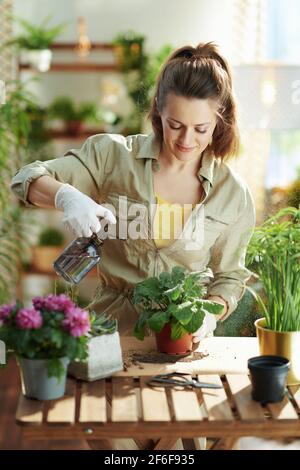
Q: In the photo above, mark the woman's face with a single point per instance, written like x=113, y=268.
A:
x=188, y=125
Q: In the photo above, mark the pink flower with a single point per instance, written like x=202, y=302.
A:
x=29, y=319
x=77, y=321
x=5, y=311
x=58, y=303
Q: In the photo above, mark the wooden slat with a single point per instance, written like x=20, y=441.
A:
x=240, y=387
x=29, y=411
x=93, y=402
x=282, y=410
x=215, y=400
x=124, y=403
x=295, y=391
x=63, y=409
x=185, y=403
x=154, y=402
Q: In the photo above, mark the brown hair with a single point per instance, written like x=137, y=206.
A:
x=200, y=72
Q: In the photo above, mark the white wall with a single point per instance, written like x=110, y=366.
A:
x=161, y=21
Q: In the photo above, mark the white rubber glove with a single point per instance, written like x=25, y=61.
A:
x=80, y=211
x=206, y=329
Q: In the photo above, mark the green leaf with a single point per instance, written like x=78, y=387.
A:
x=140, y=325
x=195, y=323
x=174, y=293
x=183, y=312
x=148, y=289
x=158, y=320
x=177, y=330
x=212, y=307
x=55, y=368
x=178, y=274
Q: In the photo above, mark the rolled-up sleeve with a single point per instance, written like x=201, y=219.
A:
x=228, y=257
x=82, y=168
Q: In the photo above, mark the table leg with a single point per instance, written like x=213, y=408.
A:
x=227, y=443
x=197, y=443
x=165, y=443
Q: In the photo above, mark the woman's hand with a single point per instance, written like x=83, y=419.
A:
x=80, y=211
x=210, y=321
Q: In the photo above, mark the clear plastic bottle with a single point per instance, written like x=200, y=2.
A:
x=79, y=257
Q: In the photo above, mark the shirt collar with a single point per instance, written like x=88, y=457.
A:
x=207, y=167
x=151, y=148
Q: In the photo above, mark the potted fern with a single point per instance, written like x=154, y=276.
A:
x=174, y=307
x=104, y=350
x=73, y=115
x=274, y=255
x=35, y=43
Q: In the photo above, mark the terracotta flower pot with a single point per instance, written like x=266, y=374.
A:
x=74, y=127
x=169, y=346
x=44, y=256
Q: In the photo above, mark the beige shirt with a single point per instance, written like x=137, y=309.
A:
x=109, y=166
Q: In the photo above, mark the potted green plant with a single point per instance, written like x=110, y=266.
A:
x=174, y=307
x=104, y=351
x=50, y=245
x=35, y=43
x=74, y=115
x=45, y=337
x=274, y=255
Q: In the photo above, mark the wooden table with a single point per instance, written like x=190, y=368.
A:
x=124, y=406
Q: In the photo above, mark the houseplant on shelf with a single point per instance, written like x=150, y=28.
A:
x=104, y=351
x=274, y=255
x=35, y=43
x=45, y=337
x=173, y=307
x=49, y=247
x=73, y=115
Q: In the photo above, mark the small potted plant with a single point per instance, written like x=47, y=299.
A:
x=174, y=307
x=49, y=247
x=74, y=115
x=35, y=43
x=274, y=255
x=45, y=338
x=104, y=351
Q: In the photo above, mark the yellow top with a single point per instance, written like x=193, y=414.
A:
x=169, y=221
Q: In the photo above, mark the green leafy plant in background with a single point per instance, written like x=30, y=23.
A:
x=14, y=223
x=140, y=72
x=74, y=114
x=174, y=297
x=36, y=37
x=51, y=237
x=293, y=192
x=274, y=255
x=40, y=143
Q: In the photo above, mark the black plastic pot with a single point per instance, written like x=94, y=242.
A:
x=268, y=375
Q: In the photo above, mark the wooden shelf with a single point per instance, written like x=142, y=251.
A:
x=64, y=46
x=75, y=67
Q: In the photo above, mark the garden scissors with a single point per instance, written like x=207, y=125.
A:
x=179, y=379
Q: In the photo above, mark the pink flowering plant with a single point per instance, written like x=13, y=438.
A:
x=54, y=327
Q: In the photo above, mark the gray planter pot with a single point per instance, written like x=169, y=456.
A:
x=104, y=358
x=35, y=380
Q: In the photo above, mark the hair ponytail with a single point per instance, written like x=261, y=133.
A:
x=200, y=72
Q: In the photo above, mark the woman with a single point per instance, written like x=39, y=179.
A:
x=193, y=116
